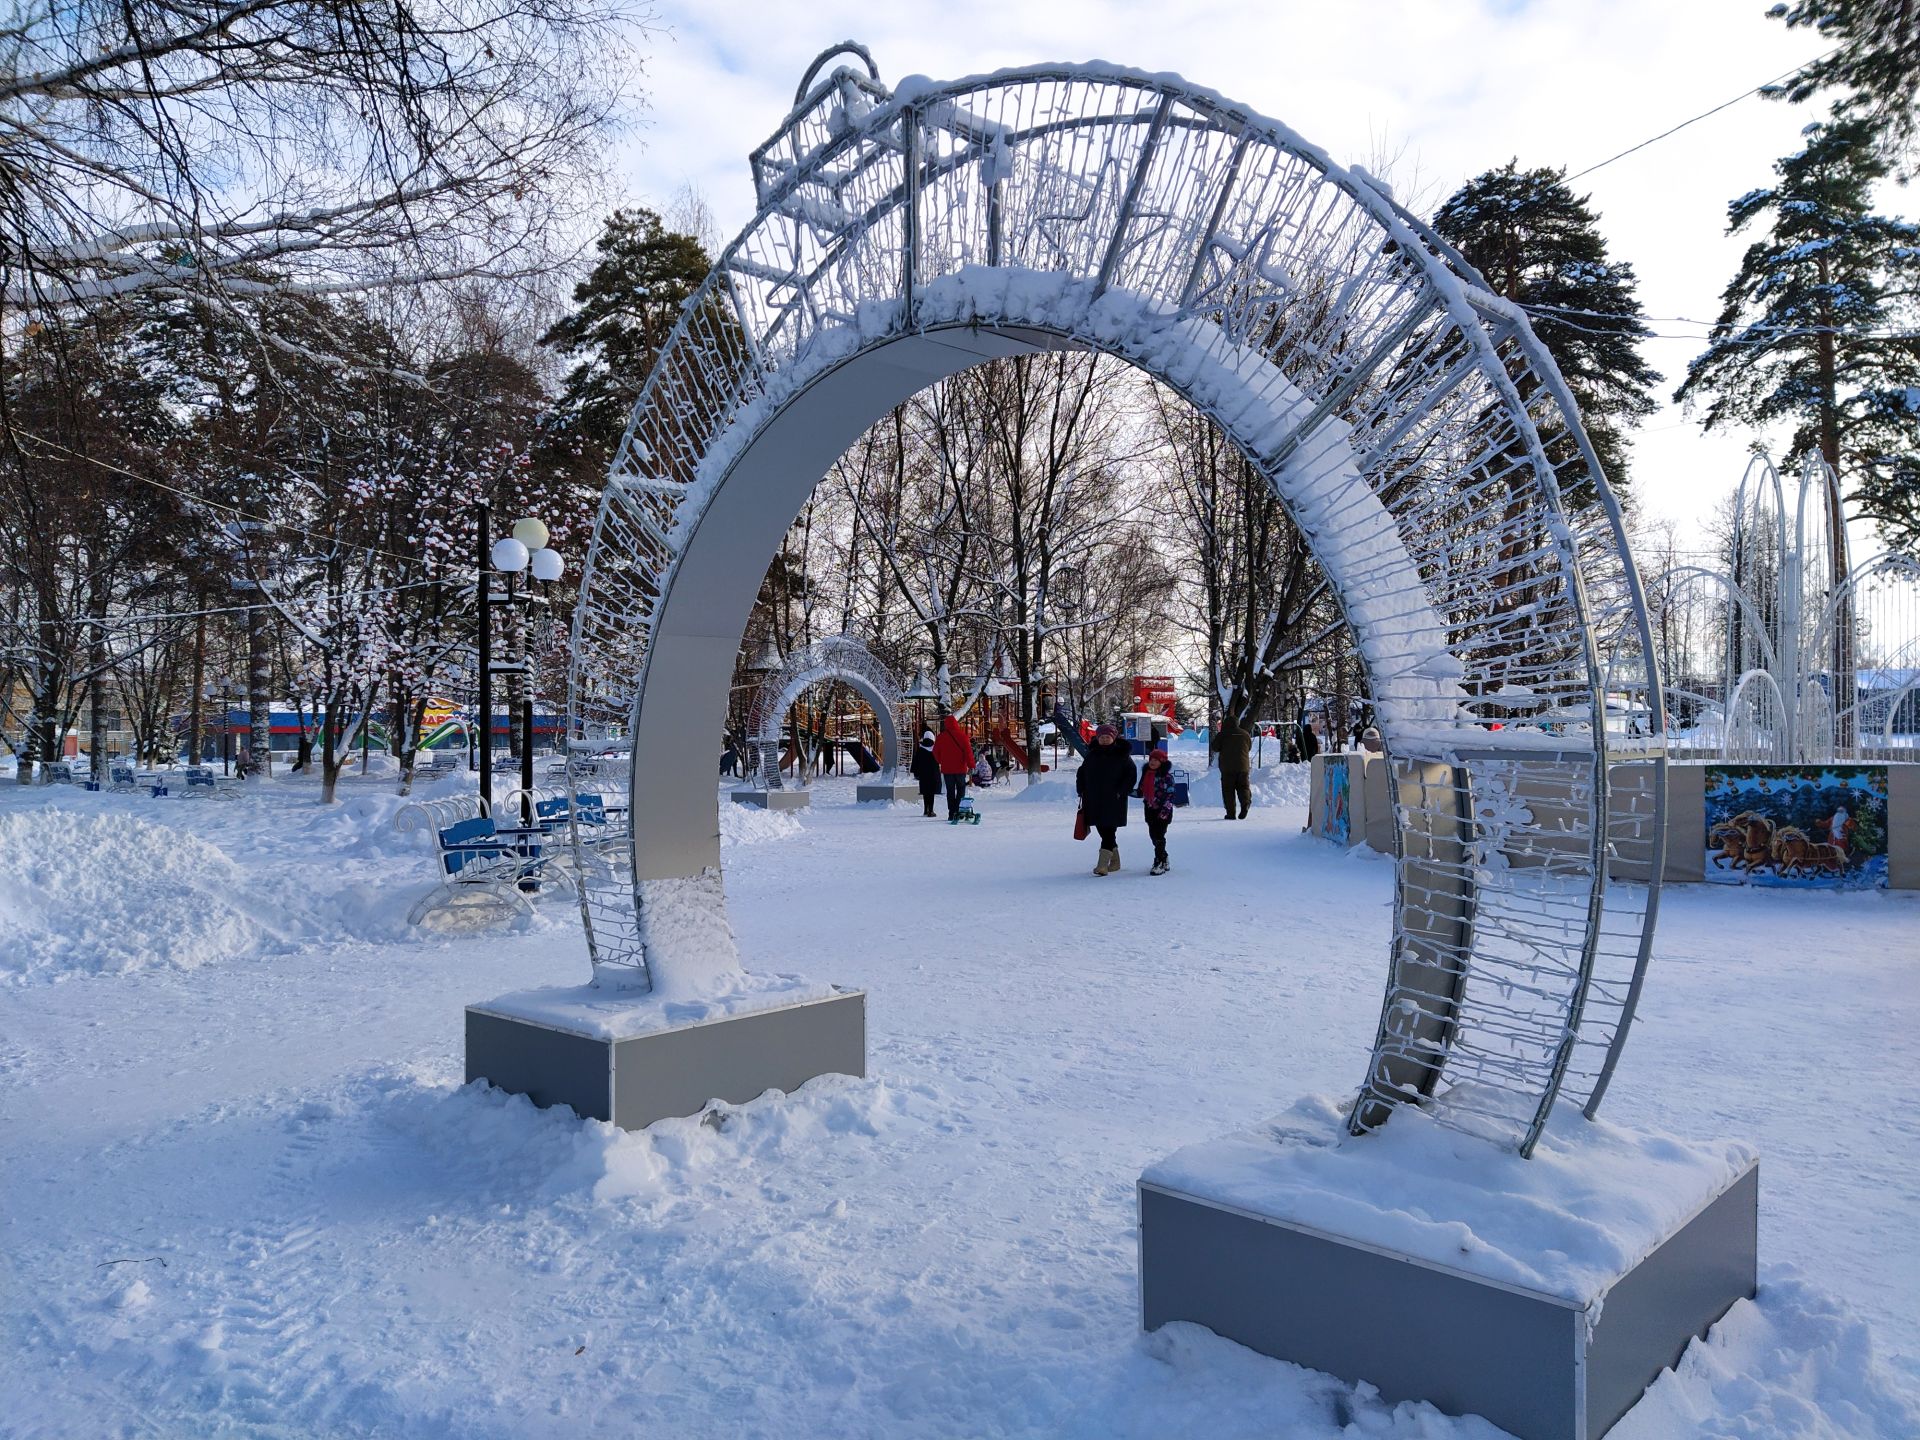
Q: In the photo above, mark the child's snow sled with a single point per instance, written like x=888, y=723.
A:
x=968, y=815
x=1180, y=779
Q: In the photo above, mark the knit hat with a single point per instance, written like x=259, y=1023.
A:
x=926, y=737
x=1108, y=731
x=1160, y=753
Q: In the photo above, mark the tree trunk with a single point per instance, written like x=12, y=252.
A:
x=97, y=682
x=329, y=745
x=1841, y=656
x=196, y=721
x=259, y=693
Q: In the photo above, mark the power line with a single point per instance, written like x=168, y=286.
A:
x=118, y=621
x=1559, y=313
x=1631, y=149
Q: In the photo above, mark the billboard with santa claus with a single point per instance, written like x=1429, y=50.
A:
x=1808, y=827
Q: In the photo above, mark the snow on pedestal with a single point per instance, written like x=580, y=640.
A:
x=1543, y=1294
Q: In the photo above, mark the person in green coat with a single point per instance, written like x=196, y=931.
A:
x=1233, y=751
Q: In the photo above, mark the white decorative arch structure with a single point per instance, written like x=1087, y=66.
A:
x=837, y=657
x=1408, y=419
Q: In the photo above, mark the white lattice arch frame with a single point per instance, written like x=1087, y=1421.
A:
x=1408, y=419
x=837, y=657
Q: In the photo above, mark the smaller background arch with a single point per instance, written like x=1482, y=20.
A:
x=837, y=658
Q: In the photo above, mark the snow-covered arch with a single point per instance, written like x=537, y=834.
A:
x=1408, y=419
x=837, y=657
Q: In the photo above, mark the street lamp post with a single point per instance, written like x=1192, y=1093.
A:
x=524, y=550
x=922, y=691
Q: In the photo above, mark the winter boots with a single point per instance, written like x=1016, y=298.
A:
x=1159, y=868
x=1108, y=863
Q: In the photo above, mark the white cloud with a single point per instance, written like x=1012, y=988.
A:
x=1462, y=86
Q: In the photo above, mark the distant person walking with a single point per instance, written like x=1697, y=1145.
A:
x=926, y=770
x=953, y=753
x=1156, y=798
x=1104, y=782
x=1308, y=742
x=1233, y=748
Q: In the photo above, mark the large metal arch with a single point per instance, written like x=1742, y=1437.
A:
x=841, y=658
x=1410, y=421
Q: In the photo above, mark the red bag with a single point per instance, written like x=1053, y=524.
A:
x=1080, y=827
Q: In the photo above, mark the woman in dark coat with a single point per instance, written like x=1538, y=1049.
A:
x=1105, y=781
x=926, y=770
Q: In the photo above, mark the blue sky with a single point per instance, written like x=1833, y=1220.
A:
x=1425, y=92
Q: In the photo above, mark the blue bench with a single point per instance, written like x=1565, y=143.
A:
x=486, y=876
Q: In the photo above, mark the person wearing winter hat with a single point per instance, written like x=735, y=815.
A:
x=1104, y=782
x=926, y=770
x=1156, y=798
x=953, y=752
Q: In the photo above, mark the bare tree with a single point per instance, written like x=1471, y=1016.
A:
x=218, y=148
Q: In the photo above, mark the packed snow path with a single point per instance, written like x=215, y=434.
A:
x=354, y=1244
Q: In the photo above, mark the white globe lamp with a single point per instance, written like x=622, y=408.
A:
x=509, y=555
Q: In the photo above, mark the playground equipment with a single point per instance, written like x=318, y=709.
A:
x=1068, y=729
x=1402, y=411
x=837, y=658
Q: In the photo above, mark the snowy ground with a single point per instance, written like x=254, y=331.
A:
x=243, y=1193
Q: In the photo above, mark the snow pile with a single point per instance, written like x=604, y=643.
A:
x=1277, y=785
x=750, y=825
x=1055, y=785
x=549, y=1156
x=1594, y=1200
x=611, y=1164
x=360, y=826
x=1791, y=1361
x=107, y=893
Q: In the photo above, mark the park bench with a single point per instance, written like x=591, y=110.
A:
x=491, y=866
x=435, y=764
x=124, y=778
x=202, y=781
x=486, y=875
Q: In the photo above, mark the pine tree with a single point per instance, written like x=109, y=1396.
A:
x=1875, y=63
x=1539, y=245
x=623, y=313
x=1816, y=329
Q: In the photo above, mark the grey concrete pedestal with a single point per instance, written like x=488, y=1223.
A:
x=635, y=1080
x=774, y=799
x=886, y=790
x=1540, y=1366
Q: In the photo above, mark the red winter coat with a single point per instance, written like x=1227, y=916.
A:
x=952, y=749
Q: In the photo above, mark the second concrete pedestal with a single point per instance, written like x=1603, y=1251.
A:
x=570, y=1048
x=886, y=790
x=1544, y=1302
x=774, y=799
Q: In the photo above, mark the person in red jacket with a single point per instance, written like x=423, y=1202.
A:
x=953, y=752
